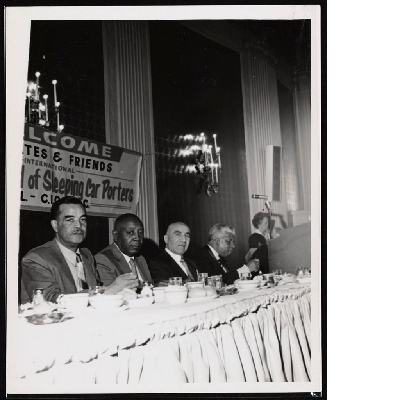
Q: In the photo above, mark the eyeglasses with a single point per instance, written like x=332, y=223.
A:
x=230, y=242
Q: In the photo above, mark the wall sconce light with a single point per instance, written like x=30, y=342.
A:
x=208, y=162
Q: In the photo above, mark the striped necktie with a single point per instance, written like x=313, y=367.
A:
x=132, y=264
x=80, y=270
x=188, y=273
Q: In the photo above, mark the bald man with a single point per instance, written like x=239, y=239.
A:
x=122, y=256
x=171, y=263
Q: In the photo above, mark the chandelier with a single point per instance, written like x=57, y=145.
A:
x=207, y=165
x=37, y=112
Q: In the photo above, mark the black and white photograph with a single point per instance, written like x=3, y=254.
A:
x=163, y=199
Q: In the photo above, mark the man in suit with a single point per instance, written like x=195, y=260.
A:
x=171, y=263
x=60, y=266
x=122, y=256
x=212, y=257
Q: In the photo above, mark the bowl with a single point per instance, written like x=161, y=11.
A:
x=192, y=285
x=141, y=302
x=174, y=288
x=249, y=284
x=159, y=294
x=106, y=302
x=75, y=301
x=176, y=296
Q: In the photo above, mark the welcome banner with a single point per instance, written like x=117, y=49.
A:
x=104, y=177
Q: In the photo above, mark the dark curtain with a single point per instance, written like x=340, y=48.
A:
x=197, y=88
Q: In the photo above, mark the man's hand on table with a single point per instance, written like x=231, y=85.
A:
x=253, y=265
x=121, y=282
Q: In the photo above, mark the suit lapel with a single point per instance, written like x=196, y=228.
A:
x=142, y=270
x=175, y=268
x=121, y=262
x=60, y=261
x=192, y=268
x=216, y=262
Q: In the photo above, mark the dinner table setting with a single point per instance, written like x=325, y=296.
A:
x=255, y=330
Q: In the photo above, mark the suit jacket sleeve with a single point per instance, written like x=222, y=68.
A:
x=206, y=264
x=37, y=273
x=106, y=269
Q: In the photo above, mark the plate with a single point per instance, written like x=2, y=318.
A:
x=195, y=299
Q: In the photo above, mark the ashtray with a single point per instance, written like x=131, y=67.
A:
x=45, y=319
x=227, y=291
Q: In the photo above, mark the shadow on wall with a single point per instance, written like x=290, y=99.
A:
x=291, y=250
x=150, y=249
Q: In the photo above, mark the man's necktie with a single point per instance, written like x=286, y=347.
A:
x=188, y=273
x=222, y=263
x=80, y=271
x=132, y=264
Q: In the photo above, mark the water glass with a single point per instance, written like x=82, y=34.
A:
x=203, y=277
x=96, y=290
x=175, y=281
x=216, y=282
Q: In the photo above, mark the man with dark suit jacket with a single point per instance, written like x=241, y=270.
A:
x=60, y=266
x=122, y=256
x=171, y=263
x=212, y=257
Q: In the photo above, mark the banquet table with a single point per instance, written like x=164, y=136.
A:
x=253, y=336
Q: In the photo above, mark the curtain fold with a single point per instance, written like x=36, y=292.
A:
x=262, y=128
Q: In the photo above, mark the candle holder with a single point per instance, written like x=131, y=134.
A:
x=36, y=112
x=207, y=164
x=208, y=179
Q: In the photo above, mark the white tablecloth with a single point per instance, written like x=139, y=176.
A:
x=252, y=336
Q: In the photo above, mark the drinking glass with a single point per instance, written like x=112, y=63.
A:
x=175, y=281
x=217, y=282
x=245, y=276
x=203, y=277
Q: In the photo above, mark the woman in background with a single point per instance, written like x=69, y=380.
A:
x=261, y=234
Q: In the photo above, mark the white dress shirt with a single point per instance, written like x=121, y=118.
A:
x=177, y=258
x=127, y=258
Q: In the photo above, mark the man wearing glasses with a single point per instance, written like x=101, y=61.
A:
x=212, y=257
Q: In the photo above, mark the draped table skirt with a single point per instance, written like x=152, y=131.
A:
x=254, y=336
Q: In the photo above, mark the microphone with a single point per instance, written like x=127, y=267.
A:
x=259, y=196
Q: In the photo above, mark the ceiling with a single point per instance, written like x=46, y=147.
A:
x=291, y=39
